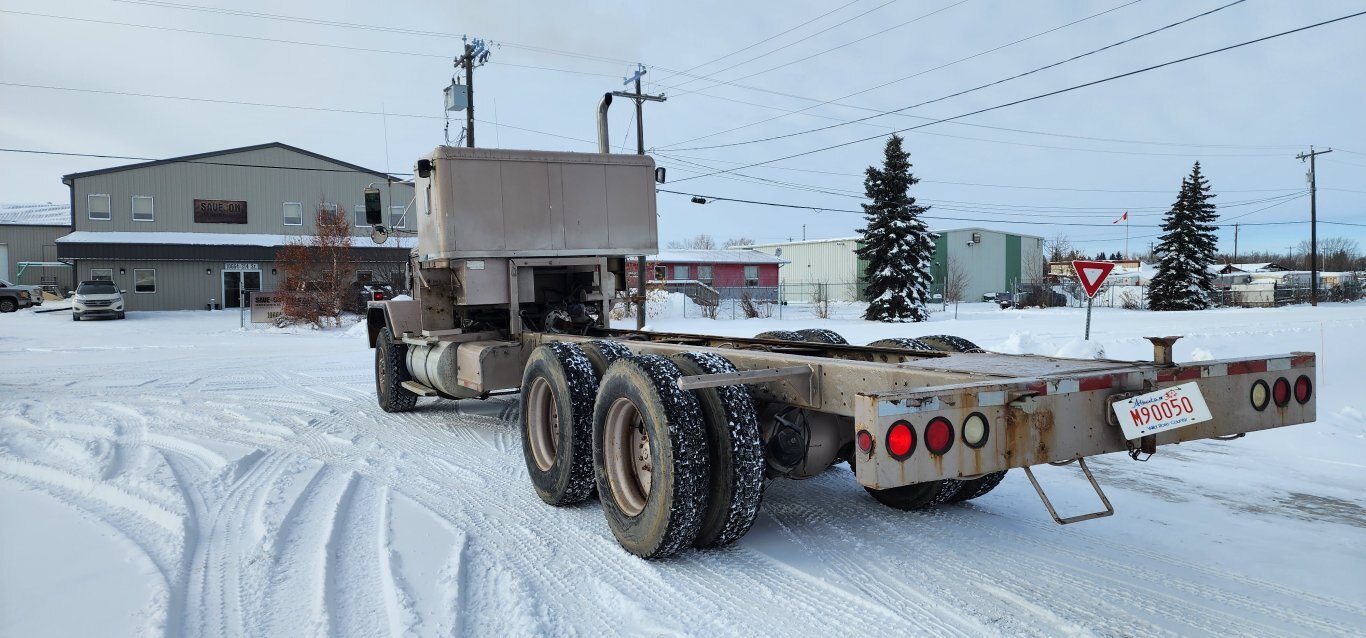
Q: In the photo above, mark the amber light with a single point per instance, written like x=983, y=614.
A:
x=1260, y=395
x=900, y=440
x=1304, y=388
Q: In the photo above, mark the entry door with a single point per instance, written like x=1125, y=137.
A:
x=236, y=286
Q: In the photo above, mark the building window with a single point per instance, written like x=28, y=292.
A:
x=680, y=272
x=360, y=215
x=751, y=276
x=704, y=274
x=661, y=273
x=142, y=208
x=294, y=214
x=396, y=216
x=102, y=274
x=365, y=276
x=144, y=280
x=98, y=207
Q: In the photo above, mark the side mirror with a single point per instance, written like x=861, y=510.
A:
x=374, y=210
x=424, y=168
x=660, y=174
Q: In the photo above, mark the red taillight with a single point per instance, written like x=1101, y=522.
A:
x=900, y=440
x=938, y=436
x=1304, y=388
x=1280, y=392
x=865, y=441
x=378, y=295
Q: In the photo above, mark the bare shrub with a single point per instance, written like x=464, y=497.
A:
x=820, y=301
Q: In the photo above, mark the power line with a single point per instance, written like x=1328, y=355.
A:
x=770, y=38
x=976, y=88
x=1052, y=93
x=835, y=48
x=913, y=75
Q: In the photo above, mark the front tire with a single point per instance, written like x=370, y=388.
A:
x=650, y=457
x=75, y=317
x=390, y=372
x=8, y=305
x=735, y=452
x=558, y=386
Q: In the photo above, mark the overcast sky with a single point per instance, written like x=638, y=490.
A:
x=1087, y=155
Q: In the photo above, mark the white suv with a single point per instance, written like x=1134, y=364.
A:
x=97, y=299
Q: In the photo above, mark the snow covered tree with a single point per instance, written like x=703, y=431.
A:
x=1186, y=249
x=897, y=244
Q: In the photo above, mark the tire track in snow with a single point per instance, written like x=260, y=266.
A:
x=295, y=598
x=360, y=596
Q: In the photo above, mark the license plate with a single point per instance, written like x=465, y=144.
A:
x=1165, y=409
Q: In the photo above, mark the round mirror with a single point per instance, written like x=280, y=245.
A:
x=379, y=235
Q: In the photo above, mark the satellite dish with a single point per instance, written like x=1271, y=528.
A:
x=778, y=253
x=379, y=235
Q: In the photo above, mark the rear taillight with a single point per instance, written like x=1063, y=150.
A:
x=900, y=440
x=378, y=295
x=865, y=441
x=1280, y=392
x=1304, y=388
x=938, y=436
x=975, y=431
x=1260, y=395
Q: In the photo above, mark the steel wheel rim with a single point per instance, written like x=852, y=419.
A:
x=543, y=423
x=626, y=456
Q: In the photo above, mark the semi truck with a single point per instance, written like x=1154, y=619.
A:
x=521, y=256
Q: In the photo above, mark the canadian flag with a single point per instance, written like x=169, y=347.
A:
x=1124, y=217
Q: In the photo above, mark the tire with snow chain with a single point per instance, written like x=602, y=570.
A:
x=650, y=456
x=558, y=386
x=917, y=496
x=780, y=335
x=391, y=370
x=821, y=335
x=974, y=488
x=735, y=452
x=901, y=342
x=602, y=353
x=949, y=343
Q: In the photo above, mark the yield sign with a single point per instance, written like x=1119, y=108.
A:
x=1092, y=274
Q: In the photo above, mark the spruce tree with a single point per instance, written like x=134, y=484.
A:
x=1186, y=250
x=897, y=244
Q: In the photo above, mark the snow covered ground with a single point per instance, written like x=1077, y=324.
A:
x=173, y=474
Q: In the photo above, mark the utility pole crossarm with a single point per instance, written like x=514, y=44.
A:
x=640, y=98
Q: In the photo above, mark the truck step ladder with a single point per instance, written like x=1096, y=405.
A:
x=1109, y=509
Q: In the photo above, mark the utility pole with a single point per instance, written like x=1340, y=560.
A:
x=1313, y=226
x=1235, y=243
x=639, y=98
x=476, y=54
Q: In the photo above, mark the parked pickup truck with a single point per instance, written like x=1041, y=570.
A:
x=15, y=296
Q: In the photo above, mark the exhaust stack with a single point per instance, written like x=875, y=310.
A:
x=603, y=144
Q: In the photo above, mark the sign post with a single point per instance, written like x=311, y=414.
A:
x=1091, y=274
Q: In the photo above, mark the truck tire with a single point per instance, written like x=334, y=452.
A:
x=974, y=488
x=602, y=353
x=901, y=342
x=735, y=452
x=821, y=335
x=949, y=343
x=650, y=456
x=8, y=305
x=558, y=386
x=390, y=372
x=917, y=496
x=780, y=335
x=75, y=317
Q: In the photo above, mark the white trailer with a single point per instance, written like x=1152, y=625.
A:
x=520, y=256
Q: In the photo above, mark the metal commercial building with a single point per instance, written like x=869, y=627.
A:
x=990, y=261
x=28, y=233
x=187, y=232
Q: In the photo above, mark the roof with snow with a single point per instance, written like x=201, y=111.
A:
x=701, y=256
x=35, y=214
x=215, y=239
x=1262, y=267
